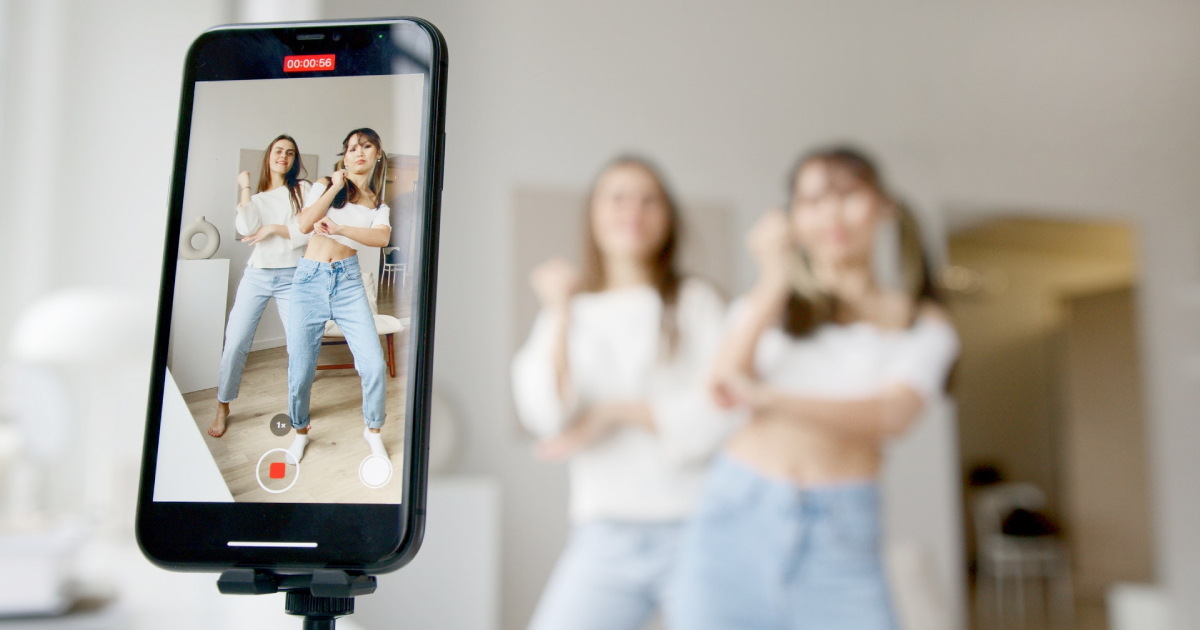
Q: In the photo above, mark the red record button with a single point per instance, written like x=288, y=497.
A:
x=308, y=63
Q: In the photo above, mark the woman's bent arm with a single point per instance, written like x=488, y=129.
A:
x=378, y=236
x=763, y=306
x=309, y=216
x=887, y=414
x=543, y=406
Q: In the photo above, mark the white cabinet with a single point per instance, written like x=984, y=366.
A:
x=454, y=582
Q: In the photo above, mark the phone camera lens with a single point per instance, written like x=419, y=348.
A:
x=337, y=37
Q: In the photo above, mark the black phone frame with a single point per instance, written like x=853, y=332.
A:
x=360, y=538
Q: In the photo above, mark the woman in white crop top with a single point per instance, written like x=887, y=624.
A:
x=268, y=219
x=831, y=363
x=345, y=213
x=613, y=379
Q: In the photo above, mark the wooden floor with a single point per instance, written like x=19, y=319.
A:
x=329, y=470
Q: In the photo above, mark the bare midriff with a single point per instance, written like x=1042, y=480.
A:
x=321, y=248
x=784, y=447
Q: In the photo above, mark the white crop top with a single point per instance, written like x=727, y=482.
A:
x=842, y=361
x=267, y=208
x=351, y=215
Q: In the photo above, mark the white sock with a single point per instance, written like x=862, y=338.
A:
x=375, y=440
x=297, y=447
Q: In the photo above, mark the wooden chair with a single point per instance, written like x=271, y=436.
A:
x=386, y=325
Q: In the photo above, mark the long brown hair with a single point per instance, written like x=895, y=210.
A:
x=665, y=276
x=378, y=179
x=808, y=305
x=291, y=179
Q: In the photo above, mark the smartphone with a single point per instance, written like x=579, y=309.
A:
x=311, y=321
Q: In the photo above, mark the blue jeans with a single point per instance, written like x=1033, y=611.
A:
x=256, y=287
x=333, y=291
x=612, y=576
x=766, y=554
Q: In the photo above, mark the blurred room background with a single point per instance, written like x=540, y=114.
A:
x=1052, y=151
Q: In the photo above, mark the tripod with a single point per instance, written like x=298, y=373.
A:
x=320, y=597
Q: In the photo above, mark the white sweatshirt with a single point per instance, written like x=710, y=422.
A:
x=613, y=348
x=267, y=208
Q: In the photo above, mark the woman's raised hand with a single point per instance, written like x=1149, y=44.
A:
x=243, y=179
x=770, y=242
x=337, y=179
x=554, y=282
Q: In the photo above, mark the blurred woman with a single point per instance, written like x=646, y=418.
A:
x=613, y=379
x=269, y=219
x=832, y=362
x=346, y=213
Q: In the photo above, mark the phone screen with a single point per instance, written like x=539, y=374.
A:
x=296, y=319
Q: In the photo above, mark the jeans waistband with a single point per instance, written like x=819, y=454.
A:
x=271, y=270
x=345, y=264
x=730, y=472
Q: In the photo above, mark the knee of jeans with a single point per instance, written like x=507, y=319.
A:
x=237, y=330
x=370, y=366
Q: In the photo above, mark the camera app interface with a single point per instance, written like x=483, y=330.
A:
x=291, y=310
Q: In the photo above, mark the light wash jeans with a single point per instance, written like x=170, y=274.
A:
x=764, y=554
x=612, y=576
x=256, y=287
x=321, y=292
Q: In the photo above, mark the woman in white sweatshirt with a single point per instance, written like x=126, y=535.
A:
x=613, y=379
x=268, y=219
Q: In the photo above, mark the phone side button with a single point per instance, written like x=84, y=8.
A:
x=442, y=166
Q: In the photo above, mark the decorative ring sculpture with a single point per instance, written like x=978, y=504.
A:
x=212, y=240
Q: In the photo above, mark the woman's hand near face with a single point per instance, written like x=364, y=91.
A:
x=338, y=179
x=243, y=179
x=770, y=242
x=554, y=282
x=326, y=227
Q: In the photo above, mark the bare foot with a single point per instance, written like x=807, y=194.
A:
x=218, y=426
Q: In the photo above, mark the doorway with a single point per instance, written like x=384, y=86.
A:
x=1050, y=403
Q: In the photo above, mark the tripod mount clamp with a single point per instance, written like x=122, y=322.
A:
x=320, y=597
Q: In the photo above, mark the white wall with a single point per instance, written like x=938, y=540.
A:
x=1074, y=108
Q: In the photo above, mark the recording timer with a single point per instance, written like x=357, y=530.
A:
x=308, y=63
